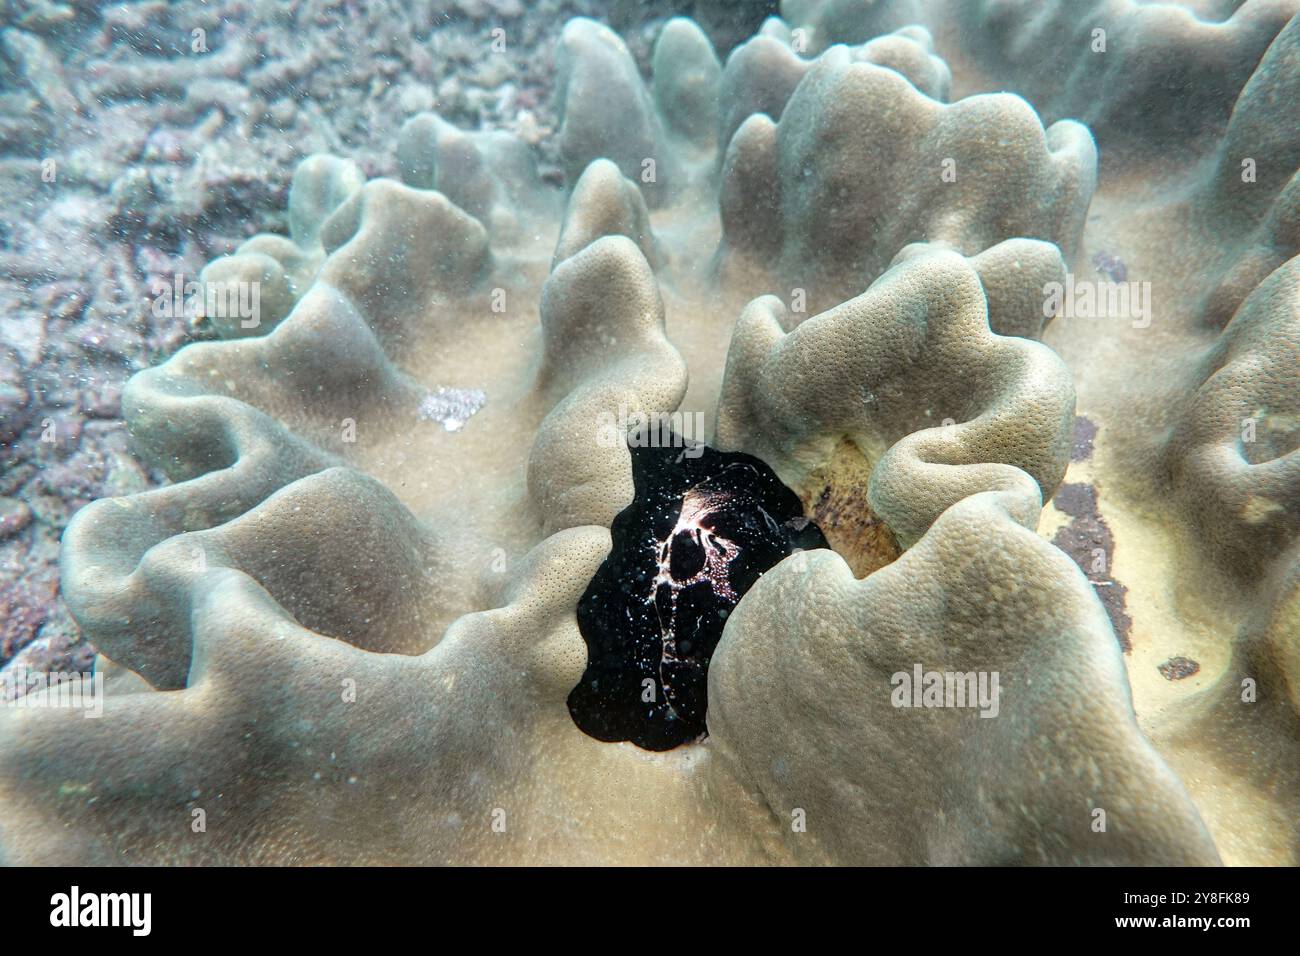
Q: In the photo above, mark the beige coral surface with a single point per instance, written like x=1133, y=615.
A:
x=346, y=632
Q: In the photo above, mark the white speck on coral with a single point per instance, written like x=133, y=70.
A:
x=452, y=407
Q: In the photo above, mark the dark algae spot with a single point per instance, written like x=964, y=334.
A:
x=703, y=526
x=1081, y=443
x=1087, y=539
x=1179, y=668
x=1111, y=266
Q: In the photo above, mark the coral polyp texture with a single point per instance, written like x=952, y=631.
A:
x=695, y=500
